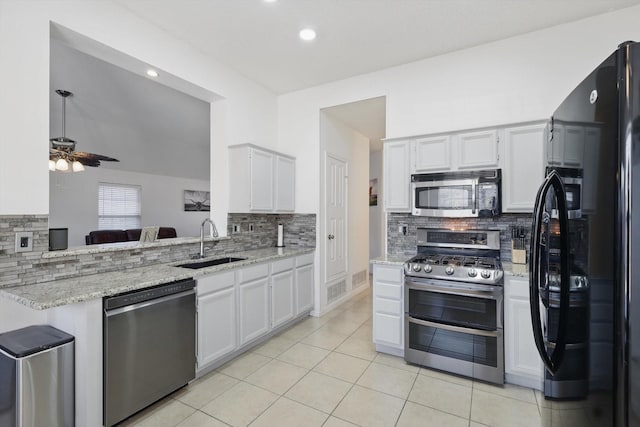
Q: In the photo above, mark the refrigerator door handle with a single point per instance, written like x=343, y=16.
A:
x=551, y=362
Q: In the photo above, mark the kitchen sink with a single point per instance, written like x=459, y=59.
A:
x=209, y=263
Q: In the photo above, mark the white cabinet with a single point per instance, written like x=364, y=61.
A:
x=432, y=154
x=285, y=184
x=304, y=283
x=388, y=308
x=216, y=317
x=478, y=150
x=253, y=299
x=263, y=180
x=523, y=166
x=566, y=148
x=397, y=176
x=522, y=362
x=282, y=292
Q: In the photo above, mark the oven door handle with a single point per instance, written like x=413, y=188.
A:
x=491, y=292
x=453, y=328
x=551, y=362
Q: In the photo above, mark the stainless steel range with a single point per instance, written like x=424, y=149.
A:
x=454, y=303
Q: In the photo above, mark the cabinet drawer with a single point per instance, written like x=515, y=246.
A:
x=304, y=260
x=281, y=265
x=252, y=273
x=517, y=287
x=387, y=274
x=381, y=305
x=215, y=282
x=386, y=290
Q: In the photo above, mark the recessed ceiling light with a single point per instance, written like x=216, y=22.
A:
x=269, y=1
x=152, y=73
x=307, y=34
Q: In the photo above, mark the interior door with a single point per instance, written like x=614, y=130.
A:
x=335, y=218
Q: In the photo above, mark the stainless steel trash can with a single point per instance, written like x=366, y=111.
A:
x=37, y=378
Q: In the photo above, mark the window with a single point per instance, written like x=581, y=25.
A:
x=118, y=207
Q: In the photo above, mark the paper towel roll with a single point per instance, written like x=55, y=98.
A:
x=280, y=236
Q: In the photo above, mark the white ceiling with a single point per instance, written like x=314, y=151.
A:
x=260, y=41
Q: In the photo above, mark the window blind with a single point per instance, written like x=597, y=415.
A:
x=119, y=207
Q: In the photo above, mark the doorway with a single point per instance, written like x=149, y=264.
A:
x=351, y=133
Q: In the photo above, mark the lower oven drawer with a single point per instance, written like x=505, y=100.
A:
x=479, y=347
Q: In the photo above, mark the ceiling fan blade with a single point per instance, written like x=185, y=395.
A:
x=81, y=155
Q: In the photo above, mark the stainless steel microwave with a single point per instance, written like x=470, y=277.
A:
x=457, y=194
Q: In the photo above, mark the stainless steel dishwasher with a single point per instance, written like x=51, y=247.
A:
x=149, y=346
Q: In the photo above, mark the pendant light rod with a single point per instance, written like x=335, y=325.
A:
x=64, y=94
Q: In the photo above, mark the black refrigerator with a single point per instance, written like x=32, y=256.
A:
x=585, y=247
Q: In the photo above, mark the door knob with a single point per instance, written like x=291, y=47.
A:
x=331, y=237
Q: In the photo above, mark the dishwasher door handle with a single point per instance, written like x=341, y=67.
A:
x=127, y=308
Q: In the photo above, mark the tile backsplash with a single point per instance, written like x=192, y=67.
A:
x=405, y=244
x=31, y=267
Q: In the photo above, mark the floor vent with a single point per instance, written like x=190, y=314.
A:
x=336, y=290
x=358, y=278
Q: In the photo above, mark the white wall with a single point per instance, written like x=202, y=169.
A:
x=513, y=80
x=345, y=143
x=376, y=214
x=74, y=201
x=248, y=114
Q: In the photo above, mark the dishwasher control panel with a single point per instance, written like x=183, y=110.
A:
x=142, y=295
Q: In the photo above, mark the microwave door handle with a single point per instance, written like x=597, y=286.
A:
x=474, y=186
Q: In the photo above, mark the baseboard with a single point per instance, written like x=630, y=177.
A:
x=524, y=381
x=381, y=348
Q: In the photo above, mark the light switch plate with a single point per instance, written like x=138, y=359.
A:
x=24, y=241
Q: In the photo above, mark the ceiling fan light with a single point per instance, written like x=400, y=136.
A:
x=62, y=165
x=52, y=165
x=77, y=166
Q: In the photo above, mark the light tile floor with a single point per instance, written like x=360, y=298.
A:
x=325, y=372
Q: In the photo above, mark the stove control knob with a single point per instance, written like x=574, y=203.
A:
x=449, y=270
x=416, y=267
x=473, y=272
x=485, y=274
x=427, y=268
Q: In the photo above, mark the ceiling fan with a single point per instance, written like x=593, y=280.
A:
x=62, y=152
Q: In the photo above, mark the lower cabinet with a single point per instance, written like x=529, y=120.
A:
x=522, y=363
x=388, y=308
x=304, y=283
x=216, y=317
x=282, y=292
x=253, y=298
x=237, y=307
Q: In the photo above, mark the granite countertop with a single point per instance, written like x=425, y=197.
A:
x=42, y=296
x=391, y=259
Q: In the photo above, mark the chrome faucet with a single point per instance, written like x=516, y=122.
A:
x=213, y=233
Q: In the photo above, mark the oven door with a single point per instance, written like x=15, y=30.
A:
x=455, y=198
x=455, y=327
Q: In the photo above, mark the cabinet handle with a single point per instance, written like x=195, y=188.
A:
x=331, y=237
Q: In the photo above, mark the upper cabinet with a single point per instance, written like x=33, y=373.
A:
x=262, y=180
x=397, y=176
x=518, y=150
x=478, y=150
x=432, y=154
x=523, y=166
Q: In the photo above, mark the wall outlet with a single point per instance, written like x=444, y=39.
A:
x=235, y=228
x=251, y=228
x=24, y=241
x=402, y=228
